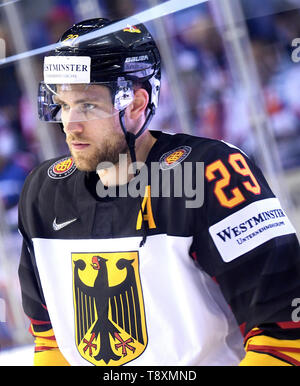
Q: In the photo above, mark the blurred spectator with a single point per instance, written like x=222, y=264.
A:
x=58, y=21
x=14, y=168
x=219, y=107
x=116, y=9
x=9, y=99
x=202, y=67
x=287, y=24
x=45, y=31
x=6, y=336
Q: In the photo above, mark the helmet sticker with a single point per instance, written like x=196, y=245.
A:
x=124, y=94
x=137, y=59
x=67, y=69
x=132, y=29
x=155, y=86
x=71, y=38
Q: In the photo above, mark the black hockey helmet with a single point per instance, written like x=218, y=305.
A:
x=120, y=60
x=130, y=52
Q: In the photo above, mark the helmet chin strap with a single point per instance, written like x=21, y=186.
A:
x=130, y=139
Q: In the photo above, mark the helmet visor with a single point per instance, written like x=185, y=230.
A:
x=83, y=102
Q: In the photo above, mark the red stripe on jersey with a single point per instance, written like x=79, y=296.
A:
x=253, y=333
x=242, y=328
x=288, y=325
x=52, y=337
x=273, y=351
x=273, y=348
x=39, y=322
x=43, y=348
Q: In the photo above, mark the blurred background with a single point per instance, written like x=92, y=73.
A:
x=230, y=72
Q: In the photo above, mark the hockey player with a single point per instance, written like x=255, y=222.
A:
x=110, y=276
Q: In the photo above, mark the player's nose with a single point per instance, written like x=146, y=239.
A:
x=73, y=127
x=73, y=123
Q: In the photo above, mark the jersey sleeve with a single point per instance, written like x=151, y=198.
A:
x=33, y=302
x=247, y=244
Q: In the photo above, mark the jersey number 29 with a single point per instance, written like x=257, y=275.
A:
x=239, y=164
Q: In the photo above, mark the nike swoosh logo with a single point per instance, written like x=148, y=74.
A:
x=57, y=227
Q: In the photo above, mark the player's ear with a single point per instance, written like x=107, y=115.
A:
x=139, y=104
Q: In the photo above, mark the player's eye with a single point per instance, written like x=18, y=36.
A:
x=87, y=107
x=64, y=106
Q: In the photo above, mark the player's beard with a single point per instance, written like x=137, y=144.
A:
x=94, y=155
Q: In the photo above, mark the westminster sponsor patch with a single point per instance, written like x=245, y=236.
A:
x=109, y=308
x=67, y=69
x=250, y=227
x=62, y=168
x=173, y=157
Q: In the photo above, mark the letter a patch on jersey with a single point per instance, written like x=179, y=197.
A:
x=110, y=325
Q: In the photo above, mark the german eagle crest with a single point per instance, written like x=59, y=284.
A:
x=110, y=324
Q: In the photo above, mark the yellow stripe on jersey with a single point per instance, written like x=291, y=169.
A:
x=259, y=359
x=50, y=358
x=46, y=351
x=44, y=334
